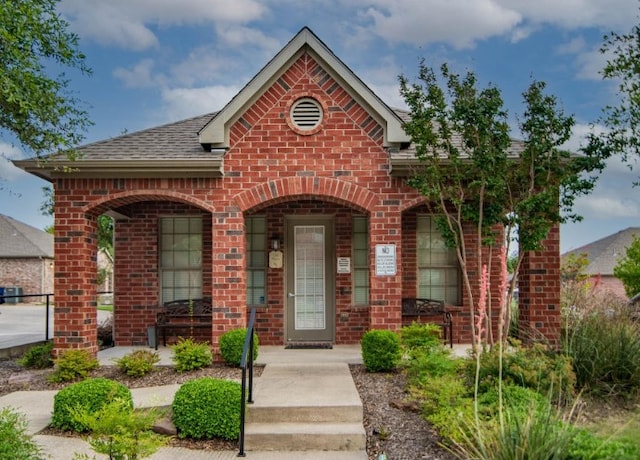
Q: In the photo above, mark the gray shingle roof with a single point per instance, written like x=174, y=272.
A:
x=18, y=239
x=604, y=253
x=177, y=140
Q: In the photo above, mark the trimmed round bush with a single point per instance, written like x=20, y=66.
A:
x=231, y=345
x=380, y=350
x=207, y=408
x=90, y=395
x=189, y=355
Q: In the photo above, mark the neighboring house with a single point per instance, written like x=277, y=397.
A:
x=292, y=198
x=603, y=255
x=105, y=276
x=26, y=259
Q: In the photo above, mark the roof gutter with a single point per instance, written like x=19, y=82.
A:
x=91, y=169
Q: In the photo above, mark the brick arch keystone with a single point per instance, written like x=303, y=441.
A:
x=133, y=196
x=287, y=188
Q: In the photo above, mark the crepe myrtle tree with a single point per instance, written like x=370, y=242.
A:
x=475, y=181
x=622, y=119
x=37, y=107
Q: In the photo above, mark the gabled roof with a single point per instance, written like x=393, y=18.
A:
x=19, y=240
x=216, y=132
x=172, y=150
x=604, y=253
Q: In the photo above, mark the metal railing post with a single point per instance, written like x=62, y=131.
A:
x=46, y=323
x=247, y=353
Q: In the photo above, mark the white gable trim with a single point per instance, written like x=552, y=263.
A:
x=216, y=132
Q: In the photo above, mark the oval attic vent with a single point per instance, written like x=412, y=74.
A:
x=306, y=114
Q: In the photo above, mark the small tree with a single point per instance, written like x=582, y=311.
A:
x=482, y=183
x=628, y=268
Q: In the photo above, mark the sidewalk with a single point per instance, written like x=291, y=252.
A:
x=38, y=406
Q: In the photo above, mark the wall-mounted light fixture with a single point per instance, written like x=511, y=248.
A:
x=275, y=243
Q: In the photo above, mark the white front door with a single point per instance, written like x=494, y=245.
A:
x=310, y=280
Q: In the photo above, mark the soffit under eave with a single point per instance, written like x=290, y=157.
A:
x=216, y=132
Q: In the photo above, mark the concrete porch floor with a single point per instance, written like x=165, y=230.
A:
x=270, y=354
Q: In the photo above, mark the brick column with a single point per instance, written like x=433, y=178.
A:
x=75, y=287
x=539, y=291
x=386, y=290
x=229, y=296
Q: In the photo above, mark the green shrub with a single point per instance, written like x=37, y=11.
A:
x=189, y=355
x=587, y=446
x=72, y=365
x=38, y=357
x=435, y=363
x=138, y=363
x=207, y=408
x=515, y=398
x=419, y=338
x=232, y=343
x=535, y=433
x=380, y=350
x=604, y=346
x=445, y=391
x=15, y=443
x=120, y=432
x=536, y=367
x=89, y=395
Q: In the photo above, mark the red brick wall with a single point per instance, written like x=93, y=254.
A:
x=462, y=328
x=539, y=291
x=34, y=276
x=351, y=320
x=269, y=168
x=137, y=284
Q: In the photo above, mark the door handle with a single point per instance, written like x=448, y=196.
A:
x=291, y=294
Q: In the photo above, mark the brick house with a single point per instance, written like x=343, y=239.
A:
x=603, y=256
x=26, y=258
x=292, y=198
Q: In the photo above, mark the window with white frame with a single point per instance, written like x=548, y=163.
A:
x=437, y=265
x=256, y=235
x=180, y=258
x=360, y=238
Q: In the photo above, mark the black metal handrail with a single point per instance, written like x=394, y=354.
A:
x=247, y=352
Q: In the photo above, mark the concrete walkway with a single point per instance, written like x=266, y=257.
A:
x=38, y=405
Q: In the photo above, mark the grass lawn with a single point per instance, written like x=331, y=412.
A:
x=105, y=307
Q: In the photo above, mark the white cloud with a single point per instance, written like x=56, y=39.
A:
x=183, y=103
x=141, y=75
x=614, y=195
x=239, y=36
x=127, y=23
x=579, y=135
x=570, y=14
x=8, y=171
x=574, y=46
x=427, y=21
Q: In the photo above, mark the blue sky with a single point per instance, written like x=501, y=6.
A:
x=160, y=61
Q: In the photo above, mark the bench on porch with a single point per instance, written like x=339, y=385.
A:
x=415, y=307
x=183, y=315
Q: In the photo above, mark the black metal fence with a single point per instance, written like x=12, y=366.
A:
x=20, y=297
